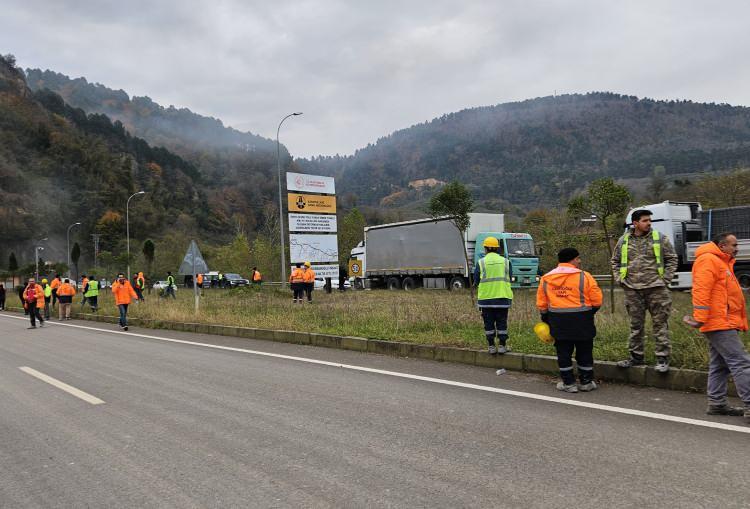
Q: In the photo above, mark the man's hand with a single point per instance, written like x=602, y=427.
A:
x=691, y=322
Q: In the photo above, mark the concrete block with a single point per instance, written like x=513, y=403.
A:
x=301, y=338
x=688, y=380
x=203, y=328
x=264, y=334
x=417, y=351
x=457, y=355
x=606, y=370
x=283, y=336
x=356, y=344
x=540, y=364
x=660, y=380
x=325, y=340
x=384, y=347
x=246, y=332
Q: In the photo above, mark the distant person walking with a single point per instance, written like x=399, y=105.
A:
x=47, y=297
x=65, y=293
x=33, y=295
x=494, y=294
x=169, y=290
x=568, y=298
x=2, y=297
x=309, y=278
x=124, y=294
x=91, y=293
x=719, y=312
x=643, y=263
x=55, y=284
x=297, y=282
x=140, y=285
x=84, y=283
x=257, y=278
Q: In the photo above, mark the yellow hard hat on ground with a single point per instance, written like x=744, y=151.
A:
x=307, y=264
x=491, y=242
x=45, y=281
x=542, y=332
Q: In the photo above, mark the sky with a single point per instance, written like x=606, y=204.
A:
x=361, y=70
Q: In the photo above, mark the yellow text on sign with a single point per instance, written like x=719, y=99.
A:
x=312, y=203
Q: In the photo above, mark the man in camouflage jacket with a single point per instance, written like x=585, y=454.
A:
x=643, y=263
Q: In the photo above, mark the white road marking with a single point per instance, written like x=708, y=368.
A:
x=441, y=381
x=85, y=396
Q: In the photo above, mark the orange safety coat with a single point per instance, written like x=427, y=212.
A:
x=39, y=294
x=718, y=302
x=199, y=279
x=66, y=289
x=297, y=276
x=123, y=292
x=309, y=276
x=567, y=289
x=84, y=282
x=55, y=283
x=256, y=276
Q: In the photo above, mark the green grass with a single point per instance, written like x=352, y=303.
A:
x=423, y=316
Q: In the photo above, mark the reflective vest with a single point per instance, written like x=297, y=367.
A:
x=170, y=280
x=494, y=278
x=93, y=290
x=140, y=282
x=565, y=290
x=48, y=291
x=66, y=289
x=655, y=242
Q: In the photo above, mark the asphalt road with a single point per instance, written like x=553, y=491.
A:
x=193, y=426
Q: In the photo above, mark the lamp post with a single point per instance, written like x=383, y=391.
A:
x=127, y=225
x=36, y=261
x=68, y=237
x=281, y=204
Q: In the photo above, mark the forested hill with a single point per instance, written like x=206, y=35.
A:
x=540, y=151
x=59, y=165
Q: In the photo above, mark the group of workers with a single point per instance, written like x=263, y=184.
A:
x=643, y=264
x=302, y=281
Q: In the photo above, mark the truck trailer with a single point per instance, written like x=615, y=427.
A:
x=688, y=226
x=432, y=253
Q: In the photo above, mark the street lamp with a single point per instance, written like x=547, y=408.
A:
x=281, y=204
x=36, y=260
x=68, y=237
x=127, y=225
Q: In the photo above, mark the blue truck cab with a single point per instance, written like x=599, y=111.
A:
x=519, y=247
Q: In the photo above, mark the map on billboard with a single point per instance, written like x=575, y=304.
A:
x=313, y=248
x=318, y=223
x=310, y=183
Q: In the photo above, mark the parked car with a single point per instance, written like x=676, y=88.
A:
x=320, y=283
x=235, y=280
x=161, y=285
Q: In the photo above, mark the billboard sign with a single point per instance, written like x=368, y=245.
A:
x=313, y=223
x=309, y=183
x=311, y=203
x=313, y=248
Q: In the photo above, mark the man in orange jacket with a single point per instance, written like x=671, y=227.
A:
x=33, y=296
x=297, y=282
x=719, y=312
x=124, y=293
x=568, y=298
x=54, y=285
x=309, y=278
x=65, y=293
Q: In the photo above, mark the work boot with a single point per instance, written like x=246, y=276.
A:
x=725, y=409
x=562, y=386
x=629, y=363
x=662, y=364
x=588, y=387
x=492, y=350
x=501, y=349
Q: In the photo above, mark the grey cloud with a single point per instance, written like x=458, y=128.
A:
x=360, y=71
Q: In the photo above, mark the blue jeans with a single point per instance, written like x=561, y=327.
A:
x=123, y=314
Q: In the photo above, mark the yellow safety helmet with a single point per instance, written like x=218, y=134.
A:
x=491, y=242
x=307, y=264
x=542, y=332
x=45, y=281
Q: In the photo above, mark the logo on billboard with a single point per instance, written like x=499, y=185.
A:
x=300, y=181
x=301, y=202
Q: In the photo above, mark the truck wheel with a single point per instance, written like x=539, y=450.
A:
x=744, y=280
x=409, y=284
x=358, y=285
x=457, y=283
x=393, y=283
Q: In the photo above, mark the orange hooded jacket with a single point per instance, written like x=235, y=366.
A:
x=567, y=289
x=718, y=301
x=123, y=292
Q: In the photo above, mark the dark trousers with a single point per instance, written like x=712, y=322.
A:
x=46, y=307
x=139, y=293
x=54, y=297
x=584, y=353
x=2, y=301
x=93, y=302
x=123, y=314
x=299, y=291
x=34, y=314
x=169, y=290
x=309, y=287
x=495, y=324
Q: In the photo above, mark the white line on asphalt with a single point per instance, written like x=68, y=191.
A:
x=85, y=396
x=507, y=392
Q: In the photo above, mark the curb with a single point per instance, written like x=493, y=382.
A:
x=676, y=379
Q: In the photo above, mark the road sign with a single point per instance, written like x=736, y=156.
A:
x=310, y=183
x=193, y=254
x=313, y=203
x=314, y=223
x=313, y=248
x=355, y=268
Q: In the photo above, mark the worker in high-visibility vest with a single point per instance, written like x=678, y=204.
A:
x=47, y=297
x=297, y=282
x=494, y=295
x=568, y=298
x=309, y=277
x=643, y=263
x=91, y=292
x=84, y=282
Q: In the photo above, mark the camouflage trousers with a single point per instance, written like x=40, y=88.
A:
x=658, y=302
